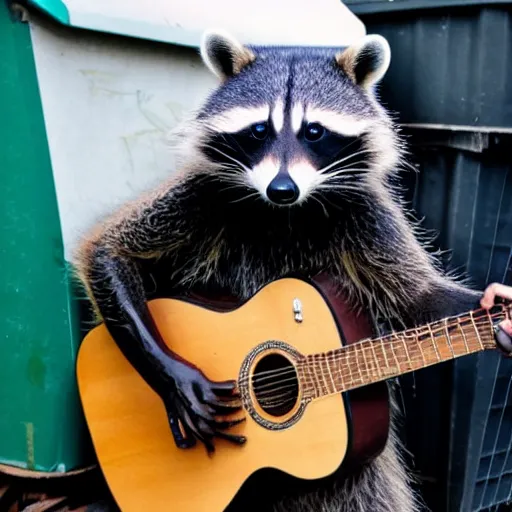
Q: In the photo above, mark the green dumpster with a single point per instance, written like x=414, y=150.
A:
x=89, y=91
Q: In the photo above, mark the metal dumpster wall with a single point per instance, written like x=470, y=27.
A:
x=457, y=415
x=449, y=86
x=449, y=65
x=41, y=426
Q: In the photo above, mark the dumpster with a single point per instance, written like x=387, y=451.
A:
x=90, y=92
x=450, y=89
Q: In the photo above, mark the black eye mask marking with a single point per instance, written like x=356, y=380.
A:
x=325, y=147
x=318, y=144
x=248, y=146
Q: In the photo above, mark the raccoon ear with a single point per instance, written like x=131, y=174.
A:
x=367, y=61
x=224, y=55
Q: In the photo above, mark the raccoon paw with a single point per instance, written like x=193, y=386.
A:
x=194, y=404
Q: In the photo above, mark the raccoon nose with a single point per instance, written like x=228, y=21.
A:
x=283, y=190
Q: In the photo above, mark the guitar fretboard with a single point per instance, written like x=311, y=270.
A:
x=374, y=360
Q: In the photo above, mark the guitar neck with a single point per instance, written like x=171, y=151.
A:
x=374, y=360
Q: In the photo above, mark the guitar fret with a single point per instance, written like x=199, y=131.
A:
x=401, y=352
x=311, y=371
x=349, y=366
x=330, y=372
x=369, y=371
x=391, y=347
x=434, y=343
x=476, y=329
x=370, y=355
x=377, y=365
x=359, y=368
x=448, y=342
x=325, y=371
x=406, y=351
x=384, y=353
x=463, y=336
x=420, y=346
x=317, y=378
x=339, y=367
x=322, y=371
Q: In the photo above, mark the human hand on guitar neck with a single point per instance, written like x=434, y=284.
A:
x=504, y=333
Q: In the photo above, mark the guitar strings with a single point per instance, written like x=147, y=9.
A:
x=394, y=338
x=347, y=371
x=266, y=399
x=267, y=392
x=343, y=355
x=270, y=384
x=279, y=403
x=361, y=374
x=288, y=393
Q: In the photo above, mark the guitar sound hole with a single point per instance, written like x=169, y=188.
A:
x=275, y=384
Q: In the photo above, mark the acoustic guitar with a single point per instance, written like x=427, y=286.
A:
x=311, y=379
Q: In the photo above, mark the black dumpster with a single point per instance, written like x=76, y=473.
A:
x=450, y=87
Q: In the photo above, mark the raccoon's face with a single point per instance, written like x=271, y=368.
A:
x=288, y=123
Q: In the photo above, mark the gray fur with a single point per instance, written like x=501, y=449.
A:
x=309, y=75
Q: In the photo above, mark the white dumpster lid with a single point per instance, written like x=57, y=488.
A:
x=284, y=22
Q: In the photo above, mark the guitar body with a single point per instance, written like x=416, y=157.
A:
x=127, y=421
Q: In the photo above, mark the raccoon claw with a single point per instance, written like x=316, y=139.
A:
x=196, y=408
x=177, y=432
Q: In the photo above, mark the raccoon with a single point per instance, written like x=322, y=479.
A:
x=289, y=167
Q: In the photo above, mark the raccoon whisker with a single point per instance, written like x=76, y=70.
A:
x=204, y=177
x=342, y=178
x=341, y=160
x=405, y=163
x=313, y=196
x=230, y=167
x=231, y=139
x=230, y=177
x=349, y=161
x=244, y=167
x=249, y=196
x=348, y=164
x=347, y=169
x=238, y=185
x=340, y=187
x=338, y=172
x=331, y=203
